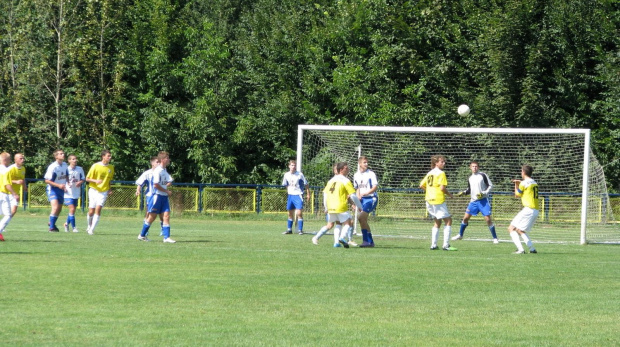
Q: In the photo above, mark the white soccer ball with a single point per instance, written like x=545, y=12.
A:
x=463, y=110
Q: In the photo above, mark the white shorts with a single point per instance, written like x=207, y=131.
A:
x=524, y=220
x=438, y=211
x=338, y=217
x=96, y=198
x=13, y=201
x=5, y=204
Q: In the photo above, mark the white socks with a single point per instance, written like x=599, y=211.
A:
x=345, y=233
x=93, y=224
x=5, y=221
x=434, y=236
x=528, y=242
x=321, y=232
x=337, y=233
x=446, y=236
x=515, y=239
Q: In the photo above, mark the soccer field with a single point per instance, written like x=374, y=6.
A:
x=240, y=282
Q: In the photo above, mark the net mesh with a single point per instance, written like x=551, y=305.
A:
x=401, y=159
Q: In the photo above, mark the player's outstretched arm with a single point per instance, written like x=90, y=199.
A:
x=517, y=183
x=353, y=197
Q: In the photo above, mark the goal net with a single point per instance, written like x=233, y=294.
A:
x=574, y=202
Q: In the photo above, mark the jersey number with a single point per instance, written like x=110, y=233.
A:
x=429, y=181
x=333, y=187
x=535, y=191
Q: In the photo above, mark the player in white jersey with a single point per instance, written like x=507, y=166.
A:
x=73, y=191
x=147, y=179
x=479, y=186
x=160, y=203
x=56, y=179
x=366, y=184
x=296, y=184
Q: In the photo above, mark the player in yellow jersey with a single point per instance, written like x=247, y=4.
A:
x=434, y=184
x=527, y=190
x=17, y=176
x=99, y=177
x=336, y=196
x=329, y=225
x=6, y=192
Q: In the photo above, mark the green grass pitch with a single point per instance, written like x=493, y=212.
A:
x=239, y=282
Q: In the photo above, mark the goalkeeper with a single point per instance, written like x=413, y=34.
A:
x=479, y=185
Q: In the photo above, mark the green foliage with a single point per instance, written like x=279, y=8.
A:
x=222, y=85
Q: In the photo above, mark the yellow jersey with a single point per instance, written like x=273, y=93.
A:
x=16, y=174
x=4, y=180
x=337, y=193
x=432, y=182
x=102, y=172
x=528, y=191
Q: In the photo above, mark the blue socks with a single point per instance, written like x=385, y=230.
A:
x=145, y=229
x=491, y=229
x=300, y=224
x=53, y=220
x=462, y=230
x=289, y=224
x=71, y=221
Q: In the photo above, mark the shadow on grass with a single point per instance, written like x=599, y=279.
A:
x=109, y=234
x=18, y=252
x=38, y=241
x=386, y=247
x=200, y=241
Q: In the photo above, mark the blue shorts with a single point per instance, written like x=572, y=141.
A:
x=149, y=202
x=70, y=201
x=479, y=206
x=159, y=204
x=54, y=193
x=369, y=203
x=294, y=202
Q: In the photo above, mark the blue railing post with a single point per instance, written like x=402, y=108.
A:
x=141, y=202
x=200, y=190
x=83, y=196
x=25, y=197
x=259, y=198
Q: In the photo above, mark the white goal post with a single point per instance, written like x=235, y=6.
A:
x=571, y=179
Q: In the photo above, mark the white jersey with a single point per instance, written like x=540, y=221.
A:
x=162, y=177
x=3, y=169
x=295, y=183
x=365, y=181
x=57, y=173
x=478, y=183
x=74, y=176
x=146, y=177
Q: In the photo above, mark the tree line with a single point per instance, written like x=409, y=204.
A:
x=222, y=84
